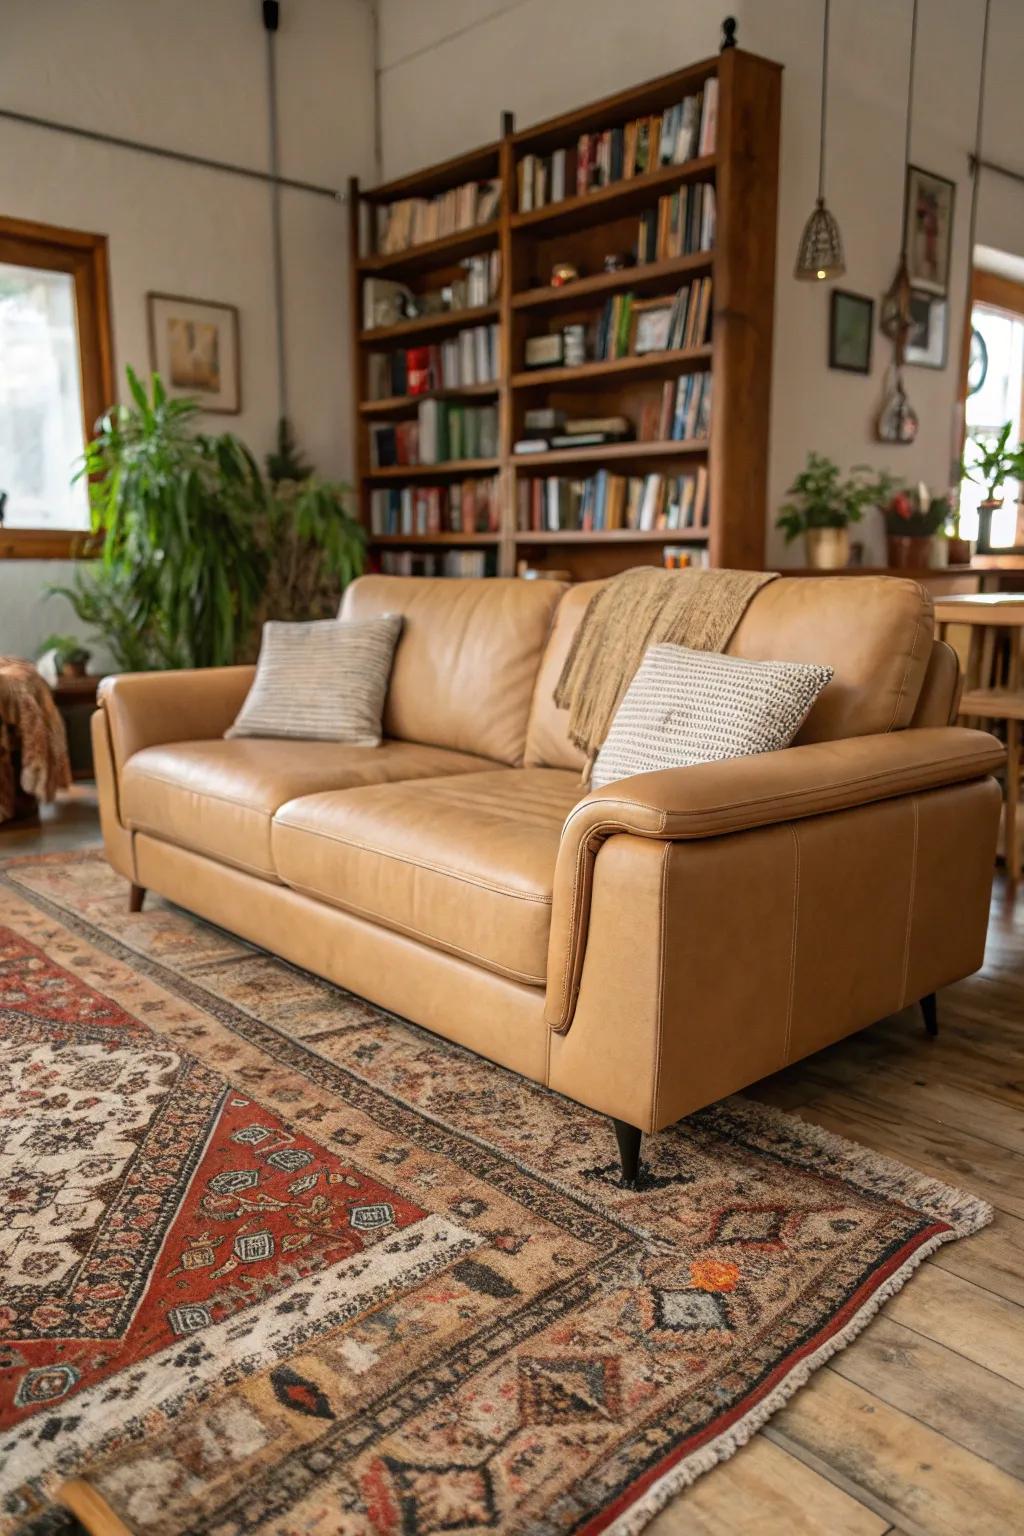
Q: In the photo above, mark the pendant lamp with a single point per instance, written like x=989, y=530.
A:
x=821, y=246
x=894, y=319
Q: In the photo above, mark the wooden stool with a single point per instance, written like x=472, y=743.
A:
x=993, y=686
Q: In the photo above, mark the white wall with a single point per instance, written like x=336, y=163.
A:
x=193, y=78
x=449, y=67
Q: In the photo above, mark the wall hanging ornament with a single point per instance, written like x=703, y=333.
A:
x=820, y=255
x=896, y=421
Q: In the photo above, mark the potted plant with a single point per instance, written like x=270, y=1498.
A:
x=70, y=656
x=824, y=505
x=912, y=522
x=996, y=462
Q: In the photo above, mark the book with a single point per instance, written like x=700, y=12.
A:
x=605, y=501
x=412, y=221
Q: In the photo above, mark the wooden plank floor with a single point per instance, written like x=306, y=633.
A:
x=917, y=1429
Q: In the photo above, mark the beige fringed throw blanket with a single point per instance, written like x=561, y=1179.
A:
x=31, y=725
x=628, y=615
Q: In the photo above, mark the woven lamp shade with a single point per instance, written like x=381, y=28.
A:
x=821, y=247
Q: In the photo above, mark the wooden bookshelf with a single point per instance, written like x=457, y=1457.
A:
x=584, y=229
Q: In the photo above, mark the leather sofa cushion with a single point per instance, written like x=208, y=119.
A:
x=218, y=797
x=875, y=632
x=462, y=864
x=466, y=660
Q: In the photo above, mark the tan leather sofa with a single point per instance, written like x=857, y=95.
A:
x=645, y=949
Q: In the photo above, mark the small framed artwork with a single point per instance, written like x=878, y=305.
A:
x=929, y=229
x=851, y=324
x=650, y=322
x=194, y=347
x=926, y=340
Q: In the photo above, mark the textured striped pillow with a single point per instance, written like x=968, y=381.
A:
x=685, y=707
x=324, y=681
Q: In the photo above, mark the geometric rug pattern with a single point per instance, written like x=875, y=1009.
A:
x=273, y=1260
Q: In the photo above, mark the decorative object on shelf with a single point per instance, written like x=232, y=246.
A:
x=564, y=272
x=194, y=346
x=650, y=322
x=851, y=325
x=67, y=653
x=824, y=505
x=574, y=345
x=728, y=34
x=820, y=255
x=617, y=261
x=926, y=339
x=928, y=228
x=896, y=421
x=913, y=520
x=544, y=351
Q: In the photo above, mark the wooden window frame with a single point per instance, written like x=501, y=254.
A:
x=84, y=257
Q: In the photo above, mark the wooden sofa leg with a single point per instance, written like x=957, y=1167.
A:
x=136, y=896
x=929, y=1009
x=628, y=1138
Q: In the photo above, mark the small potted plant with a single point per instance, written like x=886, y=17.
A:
x=824, y=505
x=912, y=523
x=70, y=656
x=996, y=463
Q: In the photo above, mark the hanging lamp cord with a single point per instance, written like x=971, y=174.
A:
x=910, y=120
x=824, y=100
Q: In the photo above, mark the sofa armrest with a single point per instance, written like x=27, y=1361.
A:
x=716, y=799
x=146, y=709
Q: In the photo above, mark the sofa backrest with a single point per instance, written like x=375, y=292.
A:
x=467, y=658
x=874, y=631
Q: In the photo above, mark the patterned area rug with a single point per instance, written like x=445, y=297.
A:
x=274, y=1261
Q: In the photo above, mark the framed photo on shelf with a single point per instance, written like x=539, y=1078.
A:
x=649, y=325
x=850, y=329
x=194, y=347
x=929, y=237
x=926, y=341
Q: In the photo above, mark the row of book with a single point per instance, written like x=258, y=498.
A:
x=629, y=326
x=672, y=137
x=417, y=220
x=468, y=506
x=605, y=501
x=682, y=224
x=415, y=562
x=682, y=415
x=442, y=431
x=386, y=302
x=468, y=357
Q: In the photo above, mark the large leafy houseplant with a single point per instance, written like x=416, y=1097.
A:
x=823, y=505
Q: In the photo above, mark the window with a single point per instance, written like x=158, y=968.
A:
x=997, y=315
x=56, y=380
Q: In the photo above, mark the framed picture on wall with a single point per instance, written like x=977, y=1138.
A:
x=851, y=323
x=929, y=229
x=926, y=341
x=194, y=347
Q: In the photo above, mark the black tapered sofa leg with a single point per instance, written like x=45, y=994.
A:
x=929, y=1008
x=628, y=1138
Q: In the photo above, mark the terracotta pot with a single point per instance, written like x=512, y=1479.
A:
x=961, y=551
x=73, y=669
x=909, y=554
x=828, y=549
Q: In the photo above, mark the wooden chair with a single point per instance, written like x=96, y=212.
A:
x=993, y=687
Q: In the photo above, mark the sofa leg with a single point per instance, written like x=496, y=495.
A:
x=136, y=896
x=628, y=1138
x=929, y=1009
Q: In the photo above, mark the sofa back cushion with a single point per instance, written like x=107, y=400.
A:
x=875, y=632
x=467, y=658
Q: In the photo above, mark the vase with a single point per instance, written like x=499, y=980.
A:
x=985, y=510
x=907, y=553
x=828, y=549
x=940, y=551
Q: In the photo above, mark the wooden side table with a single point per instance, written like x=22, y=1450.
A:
x=994, y=686
x=75, y=697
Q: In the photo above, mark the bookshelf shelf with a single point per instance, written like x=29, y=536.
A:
x=630, y=195
x=616, y=536
x=653, y=365
x=426, y=326
x=451, y=469
x=640, y=279
x=725, y=471
x=403, y=405
x=446, y=252
x=611, y=453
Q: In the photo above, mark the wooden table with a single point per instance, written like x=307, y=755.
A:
x=993, y=688
x=75, y=697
